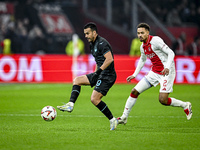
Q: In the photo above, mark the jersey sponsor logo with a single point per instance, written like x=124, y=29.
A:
x=157, y=65
x=150, y=55
x=149, y=52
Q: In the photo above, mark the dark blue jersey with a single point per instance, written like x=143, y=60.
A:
x=98, y=49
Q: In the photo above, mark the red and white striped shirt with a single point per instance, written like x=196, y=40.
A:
x=158, y=52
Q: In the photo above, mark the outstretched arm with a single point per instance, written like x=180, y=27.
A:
x=129, y=78
x=138, y=68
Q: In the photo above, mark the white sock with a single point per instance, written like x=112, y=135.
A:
x=111, y=120
x=178, y=103
x=129, y=104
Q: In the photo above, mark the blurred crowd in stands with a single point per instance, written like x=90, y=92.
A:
x=181, y=47
x=19, y=35
x=176, y=12
x=172, y=13
x=169, y=12
x=27, y=37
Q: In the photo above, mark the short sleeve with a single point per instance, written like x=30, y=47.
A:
x=104, y=47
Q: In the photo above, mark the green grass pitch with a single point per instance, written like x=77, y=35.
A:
x=150, y=126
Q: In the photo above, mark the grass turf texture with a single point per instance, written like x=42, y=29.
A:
x=150, y=125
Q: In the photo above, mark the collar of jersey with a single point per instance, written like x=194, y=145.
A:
x=95, y=39
x=148, y=40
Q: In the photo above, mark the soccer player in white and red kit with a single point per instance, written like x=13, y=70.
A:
x=162, y=71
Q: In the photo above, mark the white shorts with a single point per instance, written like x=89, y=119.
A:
x=166, y=82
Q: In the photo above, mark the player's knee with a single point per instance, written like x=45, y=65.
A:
x=163, y=100
x=76, y=81
x=135, y=92
x=94, y=100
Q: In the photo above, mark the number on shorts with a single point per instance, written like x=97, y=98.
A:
x=165, y=83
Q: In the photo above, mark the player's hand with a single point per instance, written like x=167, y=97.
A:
x=97, y=73
x=129, y=78
x=165, y=72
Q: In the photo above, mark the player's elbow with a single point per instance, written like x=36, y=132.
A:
x=172, y=54
x=111, y=60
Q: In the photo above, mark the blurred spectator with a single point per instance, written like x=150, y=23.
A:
x=23, y=39
x=184, y=10
x=25, y=42
x=135, y=47
x=197, y=18
x=192, y=12
x=51, y=41
x=193, y=49
x=26, y=24
x=173, y=18
x=179, y=45
x=11, y=34
x=163, y=13
x=70, y=48
x=6, y=46
x=38, y=42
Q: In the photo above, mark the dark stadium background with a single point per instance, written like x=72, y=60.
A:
x=116, y=20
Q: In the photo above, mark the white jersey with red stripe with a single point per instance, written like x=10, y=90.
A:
x=158, y=52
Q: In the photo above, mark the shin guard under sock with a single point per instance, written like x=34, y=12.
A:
x=76, y=89
x=105, y=110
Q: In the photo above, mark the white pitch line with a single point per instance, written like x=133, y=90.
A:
x=37, y=115
x=28, y=86
x=88, y=116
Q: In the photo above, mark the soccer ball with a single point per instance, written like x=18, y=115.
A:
x=48, y=113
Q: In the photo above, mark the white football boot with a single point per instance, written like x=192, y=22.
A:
x=67, y=107
x=113, y=124
x=122, y=120
x=188, y=110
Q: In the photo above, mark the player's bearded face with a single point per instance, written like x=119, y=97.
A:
x=142, y=34
x=89, y=35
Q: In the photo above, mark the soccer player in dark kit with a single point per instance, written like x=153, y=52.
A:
x=103, y=78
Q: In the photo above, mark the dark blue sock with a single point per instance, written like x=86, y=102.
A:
x=105, y=110
x=76, y=89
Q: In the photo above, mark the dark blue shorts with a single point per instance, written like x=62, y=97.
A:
x=103, y=83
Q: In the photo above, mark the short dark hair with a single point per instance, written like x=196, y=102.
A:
x=91, y=25
x=144, y=25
